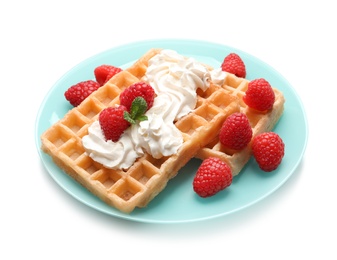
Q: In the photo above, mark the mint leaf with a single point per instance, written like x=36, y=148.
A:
x=137, y=111
x=128, y=117
x=138, y=107
x=142, y=118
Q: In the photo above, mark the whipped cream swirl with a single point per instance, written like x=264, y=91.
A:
x=178, y=77
x=175, y=79
x=114, y=155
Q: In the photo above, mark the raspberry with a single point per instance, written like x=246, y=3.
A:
x=268, y=150
x=113, y=123
x=212, y=176
x=139, y=89
x=80, y=91
x=236, y=131
x=105, y=72
x=259, y=95
x=233, y=63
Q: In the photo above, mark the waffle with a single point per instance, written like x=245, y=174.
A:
x=259, y=121
x=139, y=184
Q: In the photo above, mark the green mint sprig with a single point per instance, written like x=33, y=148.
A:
x=137, y=111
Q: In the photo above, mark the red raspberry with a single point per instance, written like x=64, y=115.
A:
x=80, y=91
x=268, y=150
x=212, y=176
x=113, y=123
x=236, y=131
x=259, y=95
x=233, y=63
x=139, y=89
x=105, y=72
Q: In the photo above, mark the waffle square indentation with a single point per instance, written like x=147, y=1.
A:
x=89, y=108
x=58, y=135
x=190, y=123
x=87, y=164
x=127, y=189
x=108, y=177
x=207, y=112
x=107, y=94
x=74, y=121
x=144, y=172
x=72, y=149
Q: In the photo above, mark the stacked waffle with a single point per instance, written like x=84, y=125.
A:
x=259, y=121
x=126, y=189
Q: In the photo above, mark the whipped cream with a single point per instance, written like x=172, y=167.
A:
x=114, y=155
x=175, y=79
x=218, y=76
x=158, y=135
x=172, y=74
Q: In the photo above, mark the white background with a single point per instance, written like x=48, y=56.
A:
x=41, y=40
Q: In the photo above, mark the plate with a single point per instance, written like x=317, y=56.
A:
x=178, y=202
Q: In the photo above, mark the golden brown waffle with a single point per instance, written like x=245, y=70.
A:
x=260, y=122
x=136, y=186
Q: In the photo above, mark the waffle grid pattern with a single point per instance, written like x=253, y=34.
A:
x=259, y=121
x=136, y=186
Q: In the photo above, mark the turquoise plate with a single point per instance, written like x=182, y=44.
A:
x=178, y=202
